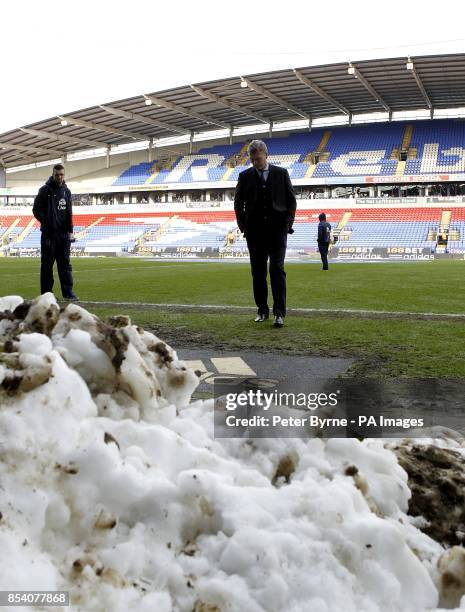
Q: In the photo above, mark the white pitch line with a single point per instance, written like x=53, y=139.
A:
x=195, y=364
x=132, y=268
x=76, y=272
x=232, y=365
x=232, y=307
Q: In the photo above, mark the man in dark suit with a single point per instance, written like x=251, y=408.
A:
x=265, y=206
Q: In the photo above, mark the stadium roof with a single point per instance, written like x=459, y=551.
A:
x=308, y=93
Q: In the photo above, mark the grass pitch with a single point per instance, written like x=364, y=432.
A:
x=382, y=346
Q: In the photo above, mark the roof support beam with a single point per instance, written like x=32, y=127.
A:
x=318, y=90
x=142, y=119
x=276, y=99
x=232, y=105
x=421, y=87
x=102, y=128
x=357, y=74
x=62, y=138
x=30, y=149
x=185, y=111
x=24, y=159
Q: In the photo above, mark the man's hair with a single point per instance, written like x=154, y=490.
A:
x=58, y=167
x=322, y=217
x=257, y=145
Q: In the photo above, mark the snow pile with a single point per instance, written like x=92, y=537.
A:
x=113, y=487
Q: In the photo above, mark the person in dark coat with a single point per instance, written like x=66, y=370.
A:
x=53, y=209
x=265, y=205
x=324, y=238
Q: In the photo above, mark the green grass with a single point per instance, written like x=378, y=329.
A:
x=436, y=286
x=381, y=346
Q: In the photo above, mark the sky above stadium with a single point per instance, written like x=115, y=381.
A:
x=60, y=57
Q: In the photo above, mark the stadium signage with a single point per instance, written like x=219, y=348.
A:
x=209, y=204
x=408, y=253
x=387, y=253
x=25, y=251
x=451, y=254
x=181, y=251
x=158, y=187
x=402, y=250
x=192, y=251
x=448, y=199
x=410, y=178
x=391, y=200
x=354, y=249
x=225, y=252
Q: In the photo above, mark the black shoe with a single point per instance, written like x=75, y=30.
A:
x=278, y=321
x=71, y=298
x=261, y=317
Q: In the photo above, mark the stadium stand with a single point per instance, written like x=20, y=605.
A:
x=367, y=227
x=457, y=229
x=383, y=150
x=412, y=227
x=135, y=175
x=440, y=146
x=362, y=150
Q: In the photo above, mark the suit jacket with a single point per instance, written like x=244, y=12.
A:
x=247, y=203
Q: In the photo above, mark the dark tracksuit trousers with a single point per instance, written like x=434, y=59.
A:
x=56, y=248
x=53, y=209
x=323, y=248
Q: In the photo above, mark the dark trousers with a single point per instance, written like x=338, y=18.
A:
x=55, y=248
x=323, y=248
x=268, y=243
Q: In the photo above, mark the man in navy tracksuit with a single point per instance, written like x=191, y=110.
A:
x=52, y=207
x=324, y=237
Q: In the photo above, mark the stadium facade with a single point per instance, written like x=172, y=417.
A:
x=379, y=145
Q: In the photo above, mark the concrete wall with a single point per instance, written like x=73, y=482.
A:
x=37, y=176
